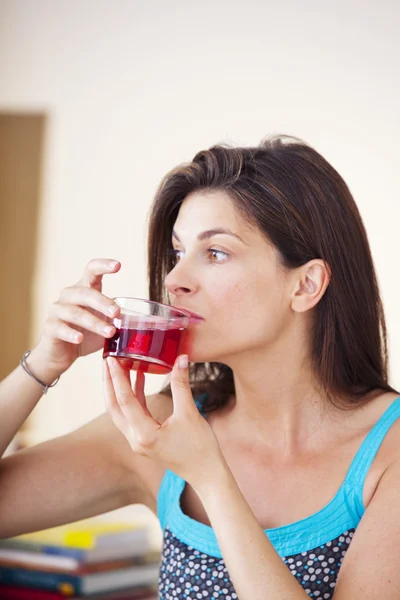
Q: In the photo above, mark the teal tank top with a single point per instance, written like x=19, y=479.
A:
x=313, y=548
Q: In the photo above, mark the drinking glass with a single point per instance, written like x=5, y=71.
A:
x=149, y=335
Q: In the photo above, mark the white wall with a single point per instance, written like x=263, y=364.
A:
x=133, y=88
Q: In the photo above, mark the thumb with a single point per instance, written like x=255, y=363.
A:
x=180, y=386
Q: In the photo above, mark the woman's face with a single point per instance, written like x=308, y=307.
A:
x=233, y=279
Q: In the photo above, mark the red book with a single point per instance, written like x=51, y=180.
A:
x=20, y=593
x=17, y=593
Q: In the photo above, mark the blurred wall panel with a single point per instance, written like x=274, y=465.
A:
x=21, y=149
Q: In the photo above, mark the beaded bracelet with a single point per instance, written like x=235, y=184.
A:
x=27, y=370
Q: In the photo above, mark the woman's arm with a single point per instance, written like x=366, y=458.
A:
x=370, y=569
x=77, y=325
x=255, y=568
x=19, y=394
x=91, y=470
x=85, y=473
x=66, y=479
x=186, y=444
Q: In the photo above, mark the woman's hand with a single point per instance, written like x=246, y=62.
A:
x=184, y=443
x=77, y=323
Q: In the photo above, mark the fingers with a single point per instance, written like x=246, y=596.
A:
x=78, y=316
x=77, y=305
x=111, y=401
x=139, y=384
x=139, y=391
x=96, y=268
x=145, y=426
x=61, y=331
x=90, y=298
x=180, y=385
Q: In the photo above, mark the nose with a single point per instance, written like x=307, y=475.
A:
x=179, y=281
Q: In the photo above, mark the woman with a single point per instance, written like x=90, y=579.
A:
x=281, y=479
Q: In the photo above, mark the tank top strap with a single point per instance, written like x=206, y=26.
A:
x=167, y=494
x=369, y=448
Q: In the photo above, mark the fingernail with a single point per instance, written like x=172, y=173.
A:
x=112, y=310
x=107, y=329
x=183, y=361
x=113, y=264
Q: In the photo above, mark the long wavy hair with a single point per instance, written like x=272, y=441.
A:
x=303, y=206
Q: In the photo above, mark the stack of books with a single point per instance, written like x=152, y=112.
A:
x=91, y=558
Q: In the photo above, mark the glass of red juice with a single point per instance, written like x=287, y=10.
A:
x=149, y=335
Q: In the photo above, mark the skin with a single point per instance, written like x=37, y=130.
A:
x=258, y=320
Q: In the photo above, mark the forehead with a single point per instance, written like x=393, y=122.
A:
x=202, y=210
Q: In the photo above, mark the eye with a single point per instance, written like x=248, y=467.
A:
x=217, y=256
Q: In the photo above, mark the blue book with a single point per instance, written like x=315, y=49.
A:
x=90, y=582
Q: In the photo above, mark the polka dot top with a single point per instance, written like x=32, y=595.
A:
x=192, y=567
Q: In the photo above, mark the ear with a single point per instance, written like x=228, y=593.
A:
x=311, y=282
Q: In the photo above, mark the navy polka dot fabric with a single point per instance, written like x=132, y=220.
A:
x=189, y=574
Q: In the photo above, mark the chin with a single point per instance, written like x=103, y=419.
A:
x=206, y=348
x=201, y=356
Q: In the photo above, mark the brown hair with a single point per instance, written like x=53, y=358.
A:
x=302, y=205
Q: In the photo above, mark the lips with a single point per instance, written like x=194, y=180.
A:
x=194, y=318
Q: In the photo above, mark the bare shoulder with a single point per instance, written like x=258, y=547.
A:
x=380, y=407
x=389, y=451
x=365, y=568
x=390, y=447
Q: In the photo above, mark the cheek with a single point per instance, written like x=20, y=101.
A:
x=243, y=313
x=234, y=297
x=230, y=300
x=254, y=310
x=256, y=299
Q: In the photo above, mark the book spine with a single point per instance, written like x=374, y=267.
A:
x=76, y=553
x=79, y=555
x=64, y=583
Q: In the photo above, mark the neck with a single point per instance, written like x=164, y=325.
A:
x=278, y=401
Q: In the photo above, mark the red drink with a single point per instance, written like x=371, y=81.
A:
x=145, y=348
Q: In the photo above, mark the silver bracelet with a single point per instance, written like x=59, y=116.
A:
x=27, y=370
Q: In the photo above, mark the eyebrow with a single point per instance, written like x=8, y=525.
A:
x=206, y=235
